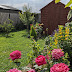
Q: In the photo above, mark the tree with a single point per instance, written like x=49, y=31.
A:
x=26, y=16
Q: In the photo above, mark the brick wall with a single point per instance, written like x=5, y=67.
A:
x=53, y=15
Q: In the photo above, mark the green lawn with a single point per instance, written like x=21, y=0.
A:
x=17, y=41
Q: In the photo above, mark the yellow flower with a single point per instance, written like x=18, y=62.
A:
x=55, y=34
x=60, y=33
x=63, y=58
x=67, y=33
x=61, y=39
x=66, y=38
x=60, y=48
x=56, y=42
x=10, y=61
x=60, y=36
x=49, y=52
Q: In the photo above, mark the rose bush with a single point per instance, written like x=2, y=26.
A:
x=15, y=55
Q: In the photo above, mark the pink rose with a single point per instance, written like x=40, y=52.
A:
x=32, y=70
x=14, y=70
x=59, y=68
x=39, y=24
x=15, y=55
x=40, y=60
x=57, y=53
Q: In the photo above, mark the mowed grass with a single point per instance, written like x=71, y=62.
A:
x=16, y=41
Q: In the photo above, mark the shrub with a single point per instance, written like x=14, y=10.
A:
x=34, y=53
x=39, y=29
x=7, y=27
x=33, y=32
x=61, y=39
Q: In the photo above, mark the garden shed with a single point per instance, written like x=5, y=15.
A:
x=8, y=12
x=53, y=15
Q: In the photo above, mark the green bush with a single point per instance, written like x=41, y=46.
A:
x=7, y=27
x=39, y=29
x=33, y=32
x=61, y=39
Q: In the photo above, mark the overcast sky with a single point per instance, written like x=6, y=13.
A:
x=35, y=4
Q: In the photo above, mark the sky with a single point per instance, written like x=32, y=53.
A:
x=36, y=5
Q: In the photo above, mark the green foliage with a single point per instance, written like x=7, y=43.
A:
x=69, y=14
x=39, y=29
x=61, y=39
x=26, y=16
x=18, y=41
x=56, y=1
x=68, y=4
x=33, y=32
x=36, y=51
x=7, y=27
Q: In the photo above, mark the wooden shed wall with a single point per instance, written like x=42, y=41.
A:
x=13, y=15
x=53, y=15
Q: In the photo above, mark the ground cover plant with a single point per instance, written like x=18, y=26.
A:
x=16, y=41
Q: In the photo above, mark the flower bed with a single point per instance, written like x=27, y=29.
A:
x=52, y=58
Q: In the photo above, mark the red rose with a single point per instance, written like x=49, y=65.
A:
x=39, y=24
x=15, y=55
x=40, y=60
x=30, y=24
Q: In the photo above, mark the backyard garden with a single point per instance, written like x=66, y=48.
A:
x=32, y=50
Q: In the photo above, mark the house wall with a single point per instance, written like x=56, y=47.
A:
x=53, y=15
x=9, y=14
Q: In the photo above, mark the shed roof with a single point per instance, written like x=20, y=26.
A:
x=9, y=7
x=50, y=3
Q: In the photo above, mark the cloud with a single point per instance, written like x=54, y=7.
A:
x=20, y=5
x=35, y=4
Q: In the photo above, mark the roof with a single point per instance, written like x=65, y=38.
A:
x=8, y=7
x=50, y=3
